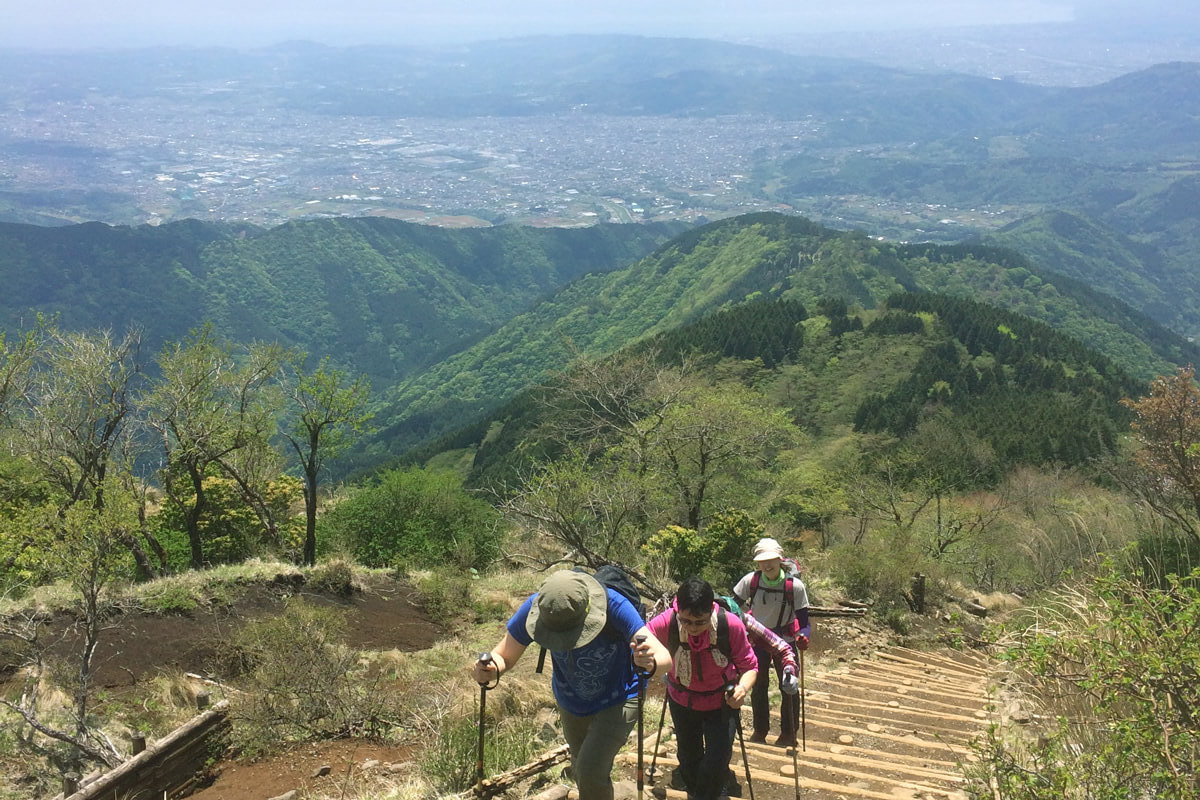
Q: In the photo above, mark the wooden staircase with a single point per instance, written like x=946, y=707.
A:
x=896, y=725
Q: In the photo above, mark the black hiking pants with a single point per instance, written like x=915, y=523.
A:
x=789, y=712
x=705, y=744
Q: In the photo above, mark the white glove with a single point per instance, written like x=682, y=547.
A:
x=788, y=684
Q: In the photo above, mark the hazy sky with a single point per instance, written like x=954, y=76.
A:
x=119, y=23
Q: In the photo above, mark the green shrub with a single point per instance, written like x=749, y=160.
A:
x=303, y=683
x=1115, y=666
x=173, y=598
x=881, y=569
x=229, y=529
x=445, y=592
x=332, y=577
x=897, y=620
x=720, y=553
x=449, y=762
x=415, y=518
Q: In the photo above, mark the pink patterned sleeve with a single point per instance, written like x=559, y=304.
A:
x=762, y=637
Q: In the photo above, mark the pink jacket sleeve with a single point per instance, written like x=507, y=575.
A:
x=660, y=626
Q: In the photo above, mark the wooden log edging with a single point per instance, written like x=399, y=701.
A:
x=498, y=784
x=167, y=766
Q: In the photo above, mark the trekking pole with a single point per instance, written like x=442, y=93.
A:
x=796, y=771
x=803, y=720
x=641, y=772
x=653, y=771
x=485, y=659
x=741, y=740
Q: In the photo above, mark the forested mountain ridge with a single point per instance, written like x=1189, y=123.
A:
x=768, y=255
x=1034, y=395
x=379, y=295
x=449, y=324
x=1086, y=249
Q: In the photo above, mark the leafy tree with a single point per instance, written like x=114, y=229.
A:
x=230, y=529
x=1167, y=428
x=331, y=412
x=947, y=459
x=601, y=402
x=645, y=454
x=211, y=409
x=80, y=408
x=809, y=496
x=594, y=507
x=18, y=479
x=715, y=435
x=682, y=550
x=78, y=425
x=16, y=362
x=84, y=545
x=719, y=554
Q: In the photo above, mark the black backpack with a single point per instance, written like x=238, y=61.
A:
x=610, y=576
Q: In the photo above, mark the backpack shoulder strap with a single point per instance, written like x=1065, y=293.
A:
x=673, y=636
x=754, y=579
x=723, y=635
x=787, y=607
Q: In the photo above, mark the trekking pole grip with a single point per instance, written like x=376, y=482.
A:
x=486, y=659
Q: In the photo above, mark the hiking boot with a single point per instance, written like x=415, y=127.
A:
x=732, y=788
x=758, y=738
x=786, y=740
x=677, y=781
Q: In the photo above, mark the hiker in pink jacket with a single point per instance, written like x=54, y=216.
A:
x=713, y=671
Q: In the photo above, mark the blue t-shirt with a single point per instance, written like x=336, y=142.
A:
x=600, y=674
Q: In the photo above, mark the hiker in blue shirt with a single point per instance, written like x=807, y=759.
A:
x=590, y=631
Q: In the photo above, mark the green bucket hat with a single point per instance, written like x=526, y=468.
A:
x=569, y=611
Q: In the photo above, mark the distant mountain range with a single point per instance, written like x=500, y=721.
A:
x=909, y=156
x=1151, y=110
